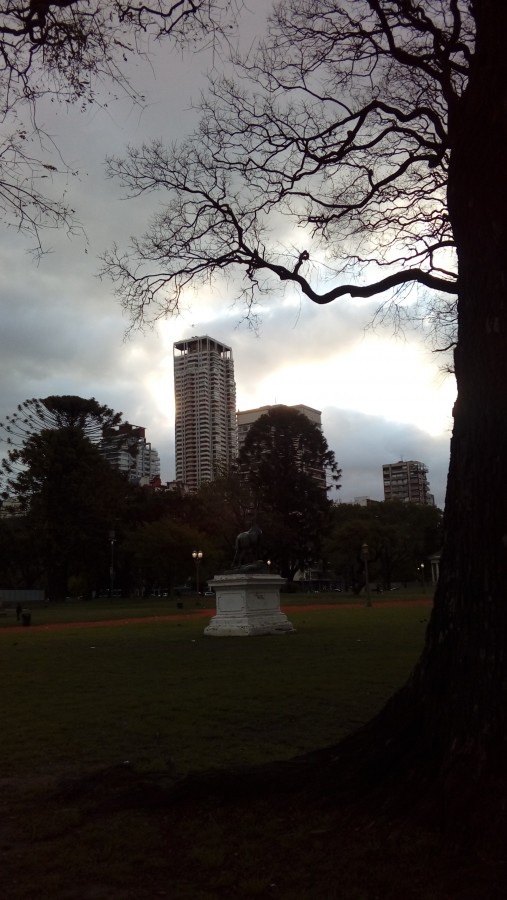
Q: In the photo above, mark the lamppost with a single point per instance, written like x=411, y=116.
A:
x=365, y=552
x=197, y=556
x=112, y=538
x=423, y=582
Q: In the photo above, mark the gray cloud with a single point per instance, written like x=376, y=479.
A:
x=63, y=331
x=362, y=444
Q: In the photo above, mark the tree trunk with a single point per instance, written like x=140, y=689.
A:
x=448, y=726
x=462, y=676
x=443, y=736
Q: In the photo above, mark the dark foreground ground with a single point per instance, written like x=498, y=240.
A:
x=114, y=836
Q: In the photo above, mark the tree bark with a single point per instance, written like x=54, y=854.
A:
x=447, y=728
x=462, y=676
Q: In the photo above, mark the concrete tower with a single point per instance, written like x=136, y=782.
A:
x=205, y=423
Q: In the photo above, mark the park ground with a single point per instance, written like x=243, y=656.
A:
x=141, y=760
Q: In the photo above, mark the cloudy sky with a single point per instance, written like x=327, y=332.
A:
x=382, y=398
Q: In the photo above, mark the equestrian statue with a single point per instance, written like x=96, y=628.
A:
x=247, y=546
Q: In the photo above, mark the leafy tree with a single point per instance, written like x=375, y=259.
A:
x=221, y=508
x=284, y=460
x=20, y=566
x=160, y=554
x=207, y=520
x=67, y=491
x=67, y=411
x=148, y=505
x=65, y=51
x=378, y=127
x=400, y=536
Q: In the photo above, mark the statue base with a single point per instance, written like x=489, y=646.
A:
x=248, y=604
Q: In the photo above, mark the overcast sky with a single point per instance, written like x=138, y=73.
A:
x=382, y=398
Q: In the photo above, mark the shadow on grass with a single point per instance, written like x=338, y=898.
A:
x=247, y=832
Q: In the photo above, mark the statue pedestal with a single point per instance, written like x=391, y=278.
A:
x=248, y=604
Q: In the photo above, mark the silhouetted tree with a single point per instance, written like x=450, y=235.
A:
x=67, y=492
x=400, y=536
x=379, y=128
x=284, y=461
x=160, y=554
x=221, y=508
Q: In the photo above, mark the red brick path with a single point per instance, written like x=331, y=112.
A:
x=206, y=613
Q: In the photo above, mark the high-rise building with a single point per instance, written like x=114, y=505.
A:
x=407, y=480
x=246, y=418
x=127, y=449
x=205, y=421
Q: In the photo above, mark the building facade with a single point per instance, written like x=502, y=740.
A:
x=407, y=480
x=128, y=450
x=246, y=418
x=205, y=414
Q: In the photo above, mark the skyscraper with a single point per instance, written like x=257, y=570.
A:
x=205, y=420
x=407, y=480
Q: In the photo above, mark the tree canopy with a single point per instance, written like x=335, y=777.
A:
x=34, y=416
x=160, y=553
x=400, y=537
x=322, y=161
x=67, y=492
x=284, y=461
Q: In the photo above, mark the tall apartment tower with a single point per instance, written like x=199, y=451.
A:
x=407, y=480
x=205, y=422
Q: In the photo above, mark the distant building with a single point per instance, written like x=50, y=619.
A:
x=127, y=450
x=246, y=418
x=407, y=480
x=174, y=487
x=205, y=421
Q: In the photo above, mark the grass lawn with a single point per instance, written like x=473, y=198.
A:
x=161, y=694
x=104, y=609
x=98, y=709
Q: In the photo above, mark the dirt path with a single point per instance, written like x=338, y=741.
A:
x=203, y=613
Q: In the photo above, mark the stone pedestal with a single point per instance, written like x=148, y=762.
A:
x=247, y=605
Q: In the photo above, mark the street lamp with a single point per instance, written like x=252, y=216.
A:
x=421, y=567
x=112, y=538
x=365, y=552
x=197, y=556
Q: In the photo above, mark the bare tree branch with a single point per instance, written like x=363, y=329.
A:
x=64, y=50
x=326, y=151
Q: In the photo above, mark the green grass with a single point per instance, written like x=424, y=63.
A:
x=163, y=695
x=80, y=702
x=104, y=609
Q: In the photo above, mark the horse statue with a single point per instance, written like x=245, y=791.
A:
x=247, y=544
